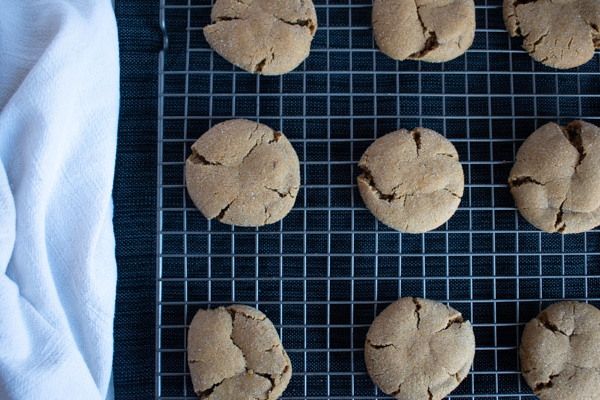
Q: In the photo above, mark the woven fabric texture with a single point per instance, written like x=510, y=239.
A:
x=135, y=199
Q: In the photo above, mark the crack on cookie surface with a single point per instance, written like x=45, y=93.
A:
x=267, y=215
x=305, y=23
x=225, y=18
x=573, y=134
x=425, y=30
x=452, y=193
x=224, y=210
x=280, y=193
x=206, y=394
x=267, y=376
x=397, y=391
x=198, y=159
x=546, y=323
x=232, y=314
x=456, y=376
x=538, y=41
x=417, y=138
x=431, y=44
x=457, y=319
x=380, y=346
x=370, y=181
x=417, y=309
x=559, y=224
x=541, y=386
x=260, y=65
x=446, y=155
x=521, y=2
x=276, y=136
x=523, y=180
x=595, y=33
x=247, y=315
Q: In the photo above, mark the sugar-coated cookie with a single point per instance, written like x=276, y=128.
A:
x=560, y=34
x=234, y=353
x=560, y=356
x=419, y=349
x=269, y=37
x=556, y=179
x=411, y=181
x=428, y=30
x=243, y=173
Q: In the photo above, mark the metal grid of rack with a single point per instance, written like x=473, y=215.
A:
x=325, y=271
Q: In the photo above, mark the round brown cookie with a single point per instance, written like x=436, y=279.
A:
x=234, y=353
x=411, y=181
x=419, y=349
x=556, y=178
x=269, y=37
x=243, y=173
x=428, y=30
x=560, y=34
x=560, y=356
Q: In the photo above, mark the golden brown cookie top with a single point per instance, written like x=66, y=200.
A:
x=560, y=356
x=234, y=353
x=556, y=179
x=411, y=181
x=243, y=173
x=269, y=37
x=419, y=349
x=560, y=34
x=428, y=30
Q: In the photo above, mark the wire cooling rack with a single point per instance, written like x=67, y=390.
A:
x=324, y=272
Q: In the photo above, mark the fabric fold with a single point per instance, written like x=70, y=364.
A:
x=59, y=101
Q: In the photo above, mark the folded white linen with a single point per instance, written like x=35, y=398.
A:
x=59, y=101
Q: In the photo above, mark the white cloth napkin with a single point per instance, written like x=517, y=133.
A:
x=59, y=100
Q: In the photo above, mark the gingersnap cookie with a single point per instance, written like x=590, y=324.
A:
x=234, y=353
x=556, y=179
x=269, y=37
x=560, y=356
x=243, y=173
x=419, y=349
x=560, y=34
x=411, y=181
x=428, y=30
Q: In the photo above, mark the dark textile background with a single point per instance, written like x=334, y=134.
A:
x=135, y=199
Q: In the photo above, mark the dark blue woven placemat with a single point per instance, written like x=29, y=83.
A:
x=135, y=199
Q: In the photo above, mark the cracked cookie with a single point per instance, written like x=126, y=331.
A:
x=234, y=353
x=560, y=357
x=428, y=30
x=269, y=37
x=556, y=179
x=243, y=173
x=411, y=181
x=560, y=34
x=419, y=349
